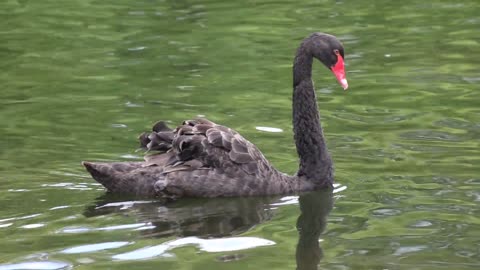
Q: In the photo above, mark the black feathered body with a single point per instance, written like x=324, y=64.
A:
x=197, y=159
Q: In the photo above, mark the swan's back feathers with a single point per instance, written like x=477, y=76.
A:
x=202, y=142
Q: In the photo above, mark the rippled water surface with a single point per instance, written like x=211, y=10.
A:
x=80, y=79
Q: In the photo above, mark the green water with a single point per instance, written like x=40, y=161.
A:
x=80, y=79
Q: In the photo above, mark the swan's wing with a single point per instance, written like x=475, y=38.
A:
x=201, y=144
x=197, y=159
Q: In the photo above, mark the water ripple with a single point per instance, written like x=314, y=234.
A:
x=108, y=228
x=94, y=247
x=402, y=250
x=269, y=129
x=32, y=226
x=124, y=205
x=19, y=218
x=386, y=212
x=430, y=135
x=286, y=201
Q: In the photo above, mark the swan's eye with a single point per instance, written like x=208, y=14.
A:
x=336, y=52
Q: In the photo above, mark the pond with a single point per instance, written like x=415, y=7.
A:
x=81, y=79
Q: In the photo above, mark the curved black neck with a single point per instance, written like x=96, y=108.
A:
x=315, y=161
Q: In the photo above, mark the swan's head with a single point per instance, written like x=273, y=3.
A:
x=329, y=50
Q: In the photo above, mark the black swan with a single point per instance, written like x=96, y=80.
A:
x=202, y=159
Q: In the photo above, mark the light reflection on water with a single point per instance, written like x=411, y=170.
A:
x=94, y=247
x=208, y=245
x=44, y=265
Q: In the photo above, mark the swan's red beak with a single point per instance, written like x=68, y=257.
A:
x=339, y=70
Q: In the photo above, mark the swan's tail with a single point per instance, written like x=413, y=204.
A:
x=102, y=173
x=116, y=177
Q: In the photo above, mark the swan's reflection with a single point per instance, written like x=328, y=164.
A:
x=214, y=218
x=314, y=207
x=190, y=217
